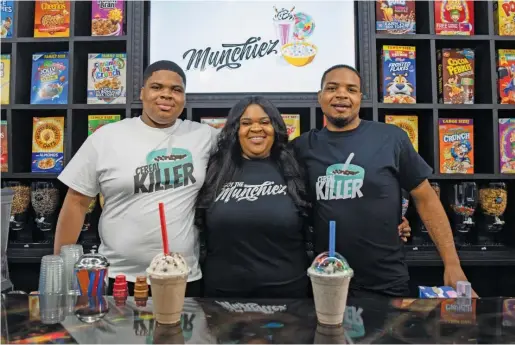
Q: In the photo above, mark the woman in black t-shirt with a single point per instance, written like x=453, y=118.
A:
x=253, y=209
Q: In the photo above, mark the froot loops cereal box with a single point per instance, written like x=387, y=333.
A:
x=107, y=78
x=507, y=145
x=398, y=74
x=454, y=17
x=52, y=18
x=504, y=17
x=456, y=146
x=49, y=78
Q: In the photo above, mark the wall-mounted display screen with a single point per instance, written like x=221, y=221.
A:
x=253, y=46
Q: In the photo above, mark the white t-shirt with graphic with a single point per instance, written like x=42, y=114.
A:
x=136, y=167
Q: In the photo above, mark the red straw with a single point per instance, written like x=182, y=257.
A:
x=164, y=233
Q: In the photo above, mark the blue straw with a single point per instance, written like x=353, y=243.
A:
x=332, y=235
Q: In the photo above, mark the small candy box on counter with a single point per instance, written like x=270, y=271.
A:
x=456, y=146
x=51, y=18
x=292, y=122
x=436, y=292
x=456, y=313
x=47, y=144
x=507, y=145
x=454, y=17
x=7, y=8
x=398, y=74
x=107, y=17
x=504, y=17
x=506, y=75
x=395, y=17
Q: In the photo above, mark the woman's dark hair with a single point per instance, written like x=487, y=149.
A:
x=225, y=163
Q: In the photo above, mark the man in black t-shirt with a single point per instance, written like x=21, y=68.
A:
x=356, y=170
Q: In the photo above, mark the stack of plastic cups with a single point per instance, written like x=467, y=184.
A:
x=70, y=254
x=51, y=289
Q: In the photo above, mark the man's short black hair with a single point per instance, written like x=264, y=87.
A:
x=338, y=67
x=164, y=65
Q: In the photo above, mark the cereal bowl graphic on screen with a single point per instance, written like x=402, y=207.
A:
x=293, y=30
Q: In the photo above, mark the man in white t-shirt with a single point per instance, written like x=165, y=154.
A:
x=137, y=163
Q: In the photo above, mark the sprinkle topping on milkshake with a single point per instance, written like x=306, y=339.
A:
x=325, y=264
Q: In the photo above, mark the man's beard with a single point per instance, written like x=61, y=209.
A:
x=340, y=122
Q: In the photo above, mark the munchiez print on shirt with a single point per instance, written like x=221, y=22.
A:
x=251, y=192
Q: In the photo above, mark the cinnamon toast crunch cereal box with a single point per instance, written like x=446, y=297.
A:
x=456, y=146
x=5, y=77
x=292, y=122
x=107, y=78
x=506, y=75
x=454, y=17
x=504, y=17
x=107, y=17
x=398, y=74
x=456, y=75
x=52, y=18
x=395, y=16
x=507, y=145
x=409, y=123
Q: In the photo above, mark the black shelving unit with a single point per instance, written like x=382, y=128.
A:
x=135, y=43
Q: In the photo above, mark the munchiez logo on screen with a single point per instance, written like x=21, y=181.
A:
x=292, y=30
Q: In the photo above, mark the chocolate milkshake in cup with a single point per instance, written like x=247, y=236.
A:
x=168, y=275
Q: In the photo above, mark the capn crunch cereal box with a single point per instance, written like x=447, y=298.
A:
x=456, y=146
x=7, y=8
x=107, y=78
x=398, y=74
x=49, y=78
x=52, y=18
x=507, y=145
x=292, y=122
x=107, y=17
x=409, y=123
x=454, y=17
x=506, y=75
x=504, y=17
x=395, y=16
x=5, y=77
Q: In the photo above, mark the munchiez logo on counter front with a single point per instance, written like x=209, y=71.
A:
x=251, y=307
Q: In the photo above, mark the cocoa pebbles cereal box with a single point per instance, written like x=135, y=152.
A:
x=398, y=74
x=456, y=76
x=454, y=17
x=107, y=78
x=107, y=17
x=395, y=17
x=456, y=146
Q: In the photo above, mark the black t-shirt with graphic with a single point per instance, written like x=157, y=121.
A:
x=355, y=178
x=254, y=236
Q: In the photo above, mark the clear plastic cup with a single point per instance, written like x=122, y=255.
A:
x=51, y=275
x=70, y=254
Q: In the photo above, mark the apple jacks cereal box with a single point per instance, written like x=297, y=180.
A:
x=107, y=78
x=292, y=125
x=507, y=145
x=47, y=144
x=398, y=74
x=456, y=146
x=504, y=17
x=5, y=77
x=49, y=78
x=408, y=123
x=454, y=17
x=215, y=122
x=97, y=121
x=6, y=29
x=107, y=17
x=52, y=18
x=506, y=75
x=395, y=16
x=456, y=76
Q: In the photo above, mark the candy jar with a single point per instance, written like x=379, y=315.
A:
x=19, y=212
x=45, y=201
x=493, y=201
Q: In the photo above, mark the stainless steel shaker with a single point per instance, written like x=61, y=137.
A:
x=91, y=273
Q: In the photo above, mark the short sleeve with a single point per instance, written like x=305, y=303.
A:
x=413, y=169
x=215, y=133
x=81, y=173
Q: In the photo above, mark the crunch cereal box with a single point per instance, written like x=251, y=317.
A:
x=107, y=17
x=3, y=149
x=506, y=75
x=49, y=78
x=7, y=24
x=97, y=121
x=5, y=77
x=107, y=78
x=455, y=76
x=47, y=144
x=398, y=74
x=456, y=146
x=454, y=17
x=292, y=125
x=504, y=17
x=409, y=123
x=52, y=18
x=215, y=122
x=507, y=145
x=395, y=16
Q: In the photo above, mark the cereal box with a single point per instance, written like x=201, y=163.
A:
x=456, y=146
x=504, y=17
x=398, y=74
x=5, y=77
x=97, y=121
x=107, y=78
x=215, y=122
x=52, y=18
x=454, y=17
x=3, y=149
x=49, y=78
x=506, y=75
x=292, y=122
x=47, y=144
x=7, y=8
x=507, y=145
x=455, y=313
x=107, y=17
x=395, y=16
x=455, y=76
x=409, y=123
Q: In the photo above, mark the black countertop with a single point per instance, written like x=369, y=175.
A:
x=487, y=320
